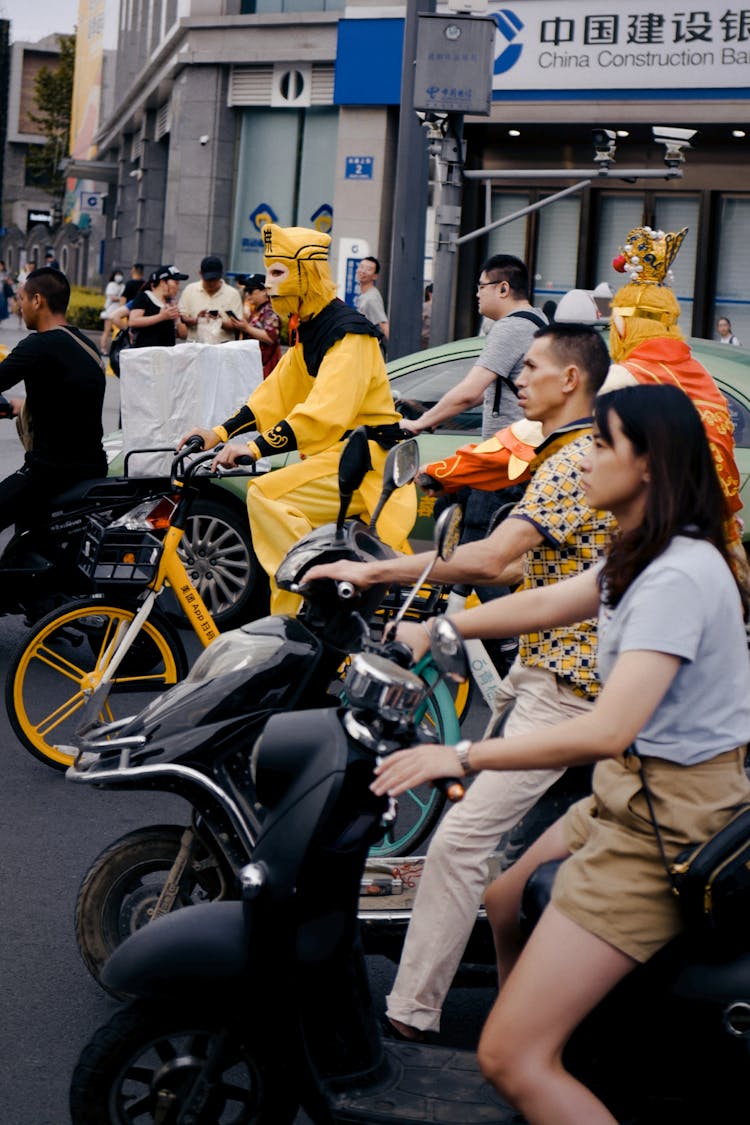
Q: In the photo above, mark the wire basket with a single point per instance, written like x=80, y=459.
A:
x=118, y=556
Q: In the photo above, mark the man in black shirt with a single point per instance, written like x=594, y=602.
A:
x=64, y=378
x=134, y=283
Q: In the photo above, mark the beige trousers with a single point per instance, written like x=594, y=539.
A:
x=455, y=873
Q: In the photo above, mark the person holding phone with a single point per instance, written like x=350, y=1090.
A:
x=260, y=322
x=154, y=315
x=206, y=304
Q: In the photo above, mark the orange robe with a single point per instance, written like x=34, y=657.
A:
x=663, y=360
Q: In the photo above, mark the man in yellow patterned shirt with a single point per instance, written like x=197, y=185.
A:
x=554, y=534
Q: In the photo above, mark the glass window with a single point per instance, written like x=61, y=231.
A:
x=557, y=249
x=281, y=150
x=416, y=391
x=510, y=239
x=672, y=213
x=618, y=214
x=732, y=294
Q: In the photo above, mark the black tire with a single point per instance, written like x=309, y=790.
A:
x=63, y=656
x=122, y=886
x=218, y=554
x=142, y=1065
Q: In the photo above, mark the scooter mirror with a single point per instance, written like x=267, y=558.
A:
x=354, y=465
x=402, y=463
x=401, y=467
x=447, y=531
x=448, y=651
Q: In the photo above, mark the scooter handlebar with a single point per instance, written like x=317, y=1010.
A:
x=346, y=591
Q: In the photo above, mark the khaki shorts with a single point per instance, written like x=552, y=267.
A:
x=614, y=884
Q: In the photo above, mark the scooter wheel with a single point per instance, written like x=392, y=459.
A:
x=146, y=1063
x=64, y=656
x=122, y=887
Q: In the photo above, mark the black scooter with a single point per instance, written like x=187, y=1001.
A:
x=249, y=1010
x=193, y=739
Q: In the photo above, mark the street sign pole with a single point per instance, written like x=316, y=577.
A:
x=405, y=289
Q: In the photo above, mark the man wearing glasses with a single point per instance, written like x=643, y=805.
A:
x=502, y=296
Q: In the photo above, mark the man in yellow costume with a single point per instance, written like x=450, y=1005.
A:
x=331, y=380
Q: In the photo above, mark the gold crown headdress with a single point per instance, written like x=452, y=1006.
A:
x=648, y=254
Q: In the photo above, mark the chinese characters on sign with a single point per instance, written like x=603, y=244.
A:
x=603, y=46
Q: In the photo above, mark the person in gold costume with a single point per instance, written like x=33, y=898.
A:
x=647, y=346
x=331, y=380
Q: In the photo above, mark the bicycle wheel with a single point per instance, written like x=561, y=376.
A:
x=64, y=657
x=420, y=809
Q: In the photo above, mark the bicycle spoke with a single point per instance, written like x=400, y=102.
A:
x=60, y=714
x=58, y=663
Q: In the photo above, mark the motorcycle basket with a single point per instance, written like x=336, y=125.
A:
x=117, y=556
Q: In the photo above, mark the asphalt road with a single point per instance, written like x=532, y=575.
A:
x=51, y=833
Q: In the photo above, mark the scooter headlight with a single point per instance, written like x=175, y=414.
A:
x=150, y=515
x=375, y=684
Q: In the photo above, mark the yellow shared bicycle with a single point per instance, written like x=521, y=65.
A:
x=89, y=660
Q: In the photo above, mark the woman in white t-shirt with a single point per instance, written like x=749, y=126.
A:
x=112, y=302
x=673, y=658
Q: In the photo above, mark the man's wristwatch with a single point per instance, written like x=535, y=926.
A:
x=462, y=749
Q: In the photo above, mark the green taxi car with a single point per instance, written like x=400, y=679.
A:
x=421, y=379
x=217, y=549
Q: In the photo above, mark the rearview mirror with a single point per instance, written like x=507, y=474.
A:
x=447, y=532
x=448, y=651
x=400, y=468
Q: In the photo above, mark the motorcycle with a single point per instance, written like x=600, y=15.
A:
x=247, y=1011
x=39, y=564
x=193, y=738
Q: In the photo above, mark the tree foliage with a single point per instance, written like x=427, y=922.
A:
x=53, y=93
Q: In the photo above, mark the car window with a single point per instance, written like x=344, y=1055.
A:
x=740, y=420
x=418, y=390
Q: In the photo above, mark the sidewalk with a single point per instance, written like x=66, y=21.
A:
x=11, y=334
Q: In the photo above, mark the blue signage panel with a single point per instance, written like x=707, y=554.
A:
x=358, y=81
x=358, y=167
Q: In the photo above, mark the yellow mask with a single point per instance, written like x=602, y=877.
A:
x=298, y=277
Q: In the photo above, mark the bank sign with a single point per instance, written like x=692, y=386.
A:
x=543, y=46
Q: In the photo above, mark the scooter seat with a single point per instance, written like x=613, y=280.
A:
x=109, y=489
x=537, y=894
x=721, y=977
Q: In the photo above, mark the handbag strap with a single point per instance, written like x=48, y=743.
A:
x=87, y=347
x=631, y=751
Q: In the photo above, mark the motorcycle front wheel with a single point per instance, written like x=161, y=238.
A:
x=153, y=1059
x=121, y=889
x=63, y=658
x=420, y=809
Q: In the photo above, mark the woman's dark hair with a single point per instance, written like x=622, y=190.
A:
x=684, y=494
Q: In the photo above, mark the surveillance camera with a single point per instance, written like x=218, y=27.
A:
x=605, y=143
x=675, y=142
x=204, y=139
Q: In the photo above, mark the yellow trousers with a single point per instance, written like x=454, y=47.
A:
x=285, y=505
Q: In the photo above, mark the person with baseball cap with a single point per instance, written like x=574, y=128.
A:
x=260, y=322
x=211, y=298
x=154, y=320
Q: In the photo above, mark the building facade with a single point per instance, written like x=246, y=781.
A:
x=227, y=113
